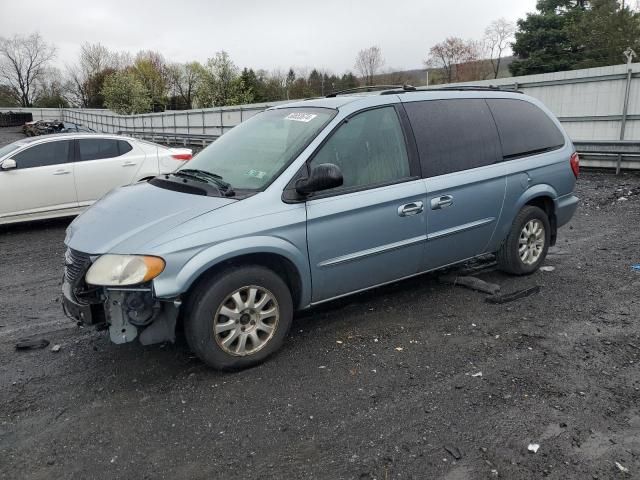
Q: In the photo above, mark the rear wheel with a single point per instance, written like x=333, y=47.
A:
x=239, y=317
x=526, y=246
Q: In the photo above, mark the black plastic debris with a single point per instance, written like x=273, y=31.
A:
x=470, y=282
x=453, y=451
x=32, y=344
x=510, y=297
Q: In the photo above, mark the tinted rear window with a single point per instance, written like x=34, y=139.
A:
x=453, y=135
x=524, y=128
x=94, y=149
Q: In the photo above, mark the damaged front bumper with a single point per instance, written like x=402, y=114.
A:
x=128, y=313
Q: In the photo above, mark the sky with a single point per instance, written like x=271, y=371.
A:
x=259, y=34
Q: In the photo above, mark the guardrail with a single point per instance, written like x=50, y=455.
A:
x=616, y=154
x=185, y=139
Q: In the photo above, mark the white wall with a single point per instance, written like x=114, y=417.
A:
x=588, y=102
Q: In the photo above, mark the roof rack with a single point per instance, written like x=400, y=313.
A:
x=373, y=88
x=482, y=88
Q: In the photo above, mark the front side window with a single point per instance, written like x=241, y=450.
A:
x=98, y=148
x=252, y=154
x=369, y=148
x=43, y=155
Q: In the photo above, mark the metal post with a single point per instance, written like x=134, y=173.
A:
x=175, y=129
x=629, y=53
x=203, y=130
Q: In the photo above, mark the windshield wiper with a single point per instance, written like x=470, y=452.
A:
x=209, y=177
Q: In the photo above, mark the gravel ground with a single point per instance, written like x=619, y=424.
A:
x=385, y=384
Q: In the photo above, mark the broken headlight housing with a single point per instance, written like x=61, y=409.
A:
x=124, y=270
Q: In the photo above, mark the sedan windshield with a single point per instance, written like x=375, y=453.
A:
x=252, y=154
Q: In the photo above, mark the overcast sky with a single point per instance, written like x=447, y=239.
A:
x=260, y=34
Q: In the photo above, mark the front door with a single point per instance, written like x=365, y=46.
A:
x=372, y=229
x=42, y=181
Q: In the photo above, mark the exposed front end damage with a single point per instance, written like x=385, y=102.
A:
x=128, y=312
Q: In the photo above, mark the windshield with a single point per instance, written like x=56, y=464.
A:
x=252, y=154
x=9, y=148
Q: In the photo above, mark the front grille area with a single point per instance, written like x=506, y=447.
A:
x=75, y=266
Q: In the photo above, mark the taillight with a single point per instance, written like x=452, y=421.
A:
x=574, y=161
x=182, y=156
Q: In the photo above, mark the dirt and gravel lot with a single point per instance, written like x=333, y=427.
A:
x=380, y=385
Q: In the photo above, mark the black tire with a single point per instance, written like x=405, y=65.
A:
x=508, y=256
x=203, y=304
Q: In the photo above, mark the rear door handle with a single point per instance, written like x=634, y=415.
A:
x=441, y=202
x=410, y=209
x=61, y=172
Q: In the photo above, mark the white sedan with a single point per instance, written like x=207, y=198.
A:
x=60, y=175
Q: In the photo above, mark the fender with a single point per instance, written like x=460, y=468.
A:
x=506, y=220
x=540, y=190
x=230, y=249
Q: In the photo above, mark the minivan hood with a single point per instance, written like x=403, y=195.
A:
x=129, y=217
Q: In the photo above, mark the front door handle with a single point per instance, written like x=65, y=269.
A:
x=129, y=164
x=61, y=172
x=441, y=202
x=410, y=209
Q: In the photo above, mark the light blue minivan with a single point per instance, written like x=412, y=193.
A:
x=315, y=200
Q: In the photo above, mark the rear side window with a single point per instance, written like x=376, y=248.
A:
x=97, y=148
x=453, y=135
x=524, y=128
x=124, y=147
x=45, y=154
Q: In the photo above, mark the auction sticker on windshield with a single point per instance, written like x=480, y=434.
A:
x=301, y=117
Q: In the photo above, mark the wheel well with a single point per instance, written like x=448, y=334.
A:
x=546, y=204
x=277, y=263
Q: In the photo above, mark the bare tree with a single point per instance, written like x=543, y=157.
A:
x=23, y=63
x=450, y=54
x=368, y=63
x=95, y=63
x=497, y=37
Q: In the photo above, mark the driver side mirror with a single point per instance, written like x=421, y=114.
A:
x=323, y=177
x=9, y=164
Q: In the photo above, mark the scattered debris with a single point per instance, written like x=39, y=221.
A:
x=399, y=349
x=623, y=199
x=621, y=467
x=547, y=268
x=479, y=374
x=322, y=366
x=470, y=282
x=636, y=267
x=510, y=297
x=56, y=348
x=33, y=344
x=453, y=451
x=533, y=447
x=339, y=342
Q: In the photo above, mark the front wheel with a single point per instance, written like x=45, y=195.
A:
x=526, y=246
x=239, y=317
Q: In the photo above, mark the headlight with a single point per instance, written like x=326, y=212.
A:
x=120, y=270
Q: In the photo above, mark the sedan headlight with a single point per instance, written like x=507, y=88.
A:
x=122, y=270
